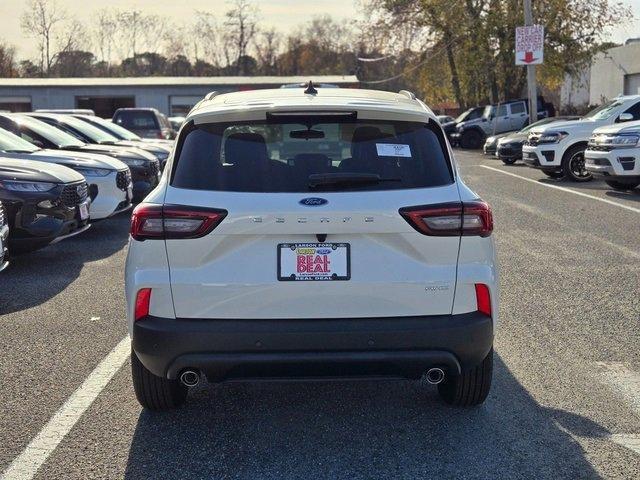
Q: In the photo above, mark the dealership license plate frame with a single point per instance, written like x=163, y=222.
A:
x=315, y=278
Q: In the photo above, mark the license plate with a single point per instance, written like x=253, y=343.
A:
x=129, y=193
x=314, y=261
x=84, y=210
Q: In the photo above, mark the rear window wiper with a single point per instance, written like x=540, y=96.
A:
x=346, y=179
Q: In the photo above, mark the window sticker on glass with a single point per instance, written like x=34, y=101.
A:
x=393, y=150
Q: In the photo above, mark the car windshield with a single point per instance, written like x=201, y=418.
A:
x=50, y=133
x=311, y=155
x=117, y=131
x=88, y=130
x=466, y=115
x=12, y=143
x=603, y=111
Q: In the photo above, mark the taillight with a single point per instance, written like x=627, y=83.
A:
x=143, y=298
x=173, y=221
x=451, y=219
x=483, y=299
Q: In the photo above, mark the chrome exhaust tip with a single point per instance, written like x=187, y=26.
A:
x=435, y=376
x=190, y=378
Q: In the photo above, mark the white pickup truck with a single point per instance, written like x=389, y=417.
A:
x=614, y=154
x=558, y=148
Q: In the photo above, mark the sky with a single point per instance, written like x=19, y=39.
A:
x=285, y=15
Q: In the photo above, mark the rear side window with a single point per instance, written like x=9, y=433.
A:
x=305, y=156
x=137, y=120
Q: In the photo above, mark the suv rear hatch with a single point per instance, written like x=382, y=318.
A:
x=302, y=218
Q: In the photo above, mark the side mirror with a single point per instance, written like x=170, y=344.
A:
x=625, y=117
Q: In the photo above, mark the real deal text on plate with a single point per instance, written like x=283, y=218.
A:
x=307, y=262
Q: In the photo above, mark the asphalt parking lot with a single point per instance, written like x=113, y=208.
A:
x=565, y=401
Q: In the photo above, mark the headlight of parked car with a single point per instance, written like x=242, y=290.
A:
x=133, y=162
x=93, y=172
x=18, y=186
x=552, y=137
x=616, y=141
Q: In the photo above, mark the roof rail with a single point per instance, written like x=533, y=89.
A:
x=408, y=94
x=210, y=95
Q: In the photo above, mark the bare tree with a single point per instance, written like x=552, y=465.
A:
x=207, y=41
x=240, y=28
x=267, y=47
x=8, y=66
x=40, y=21
x=104, y=33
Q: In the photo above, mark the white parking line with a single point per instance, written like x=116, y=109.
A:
x=25, y=465
x=626, y=383
x=564, y=189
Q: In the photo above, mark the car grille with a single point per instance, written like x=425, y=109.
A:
x=74, y=194
x=599, y=161
x=154, y=167
x=123, y=179
x=599, y=148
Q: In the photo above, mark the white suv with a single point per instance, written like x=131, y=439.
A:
x=317, y=233
x=614, y=154
x=558, y=148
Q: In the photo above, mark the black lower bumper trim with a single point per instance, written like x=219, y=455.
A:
x=390, y=347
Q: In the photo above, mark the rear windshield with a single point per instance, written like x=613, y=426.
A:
x=137, y=120
x=308, y=156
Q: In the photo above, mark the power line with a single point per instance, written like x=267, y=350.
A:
x=411, y=69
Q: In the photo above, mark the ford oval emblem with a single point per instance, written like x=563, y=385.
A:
x=313, y=202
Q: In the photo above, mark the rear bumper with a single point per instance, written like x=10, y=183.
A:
x=352, y=347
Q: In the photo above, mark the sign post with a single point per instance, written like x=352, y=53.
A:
x=530, y=52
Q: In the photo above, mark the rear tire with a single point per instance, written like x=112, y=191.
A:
x=622, y=186
x=573, y=165
x=471, y=139
x=469, y=388
x=153, y=392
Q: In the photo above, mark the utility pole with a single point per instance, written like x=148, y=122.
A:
x=532, y=88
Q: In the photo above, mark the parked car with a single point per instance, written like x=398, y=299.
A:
x=491, y=143
x=558, y=149
x=122, y=133
x=466, y=116
x=89, y=132
x=509, y=146
x=144, y=167
x=266, y=266
x=44, y=203
x=613, y=154
x=109, y=180
x=176, y=122
x=145, y=122
x=4, y=239
x=504, y=117
x=68, y=111
x=442, y=119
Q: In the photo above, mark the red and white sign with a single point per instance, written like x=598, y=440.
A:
x=529, y=45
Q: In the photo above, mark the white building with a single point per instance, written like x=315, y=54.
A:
x=612, y=73
x=170, y=95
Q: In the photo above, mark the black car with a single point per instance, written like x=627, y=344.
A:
x=43, y=202
x=4, y=236
x=470, y=114
x=145, y=168
x=509, y=147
